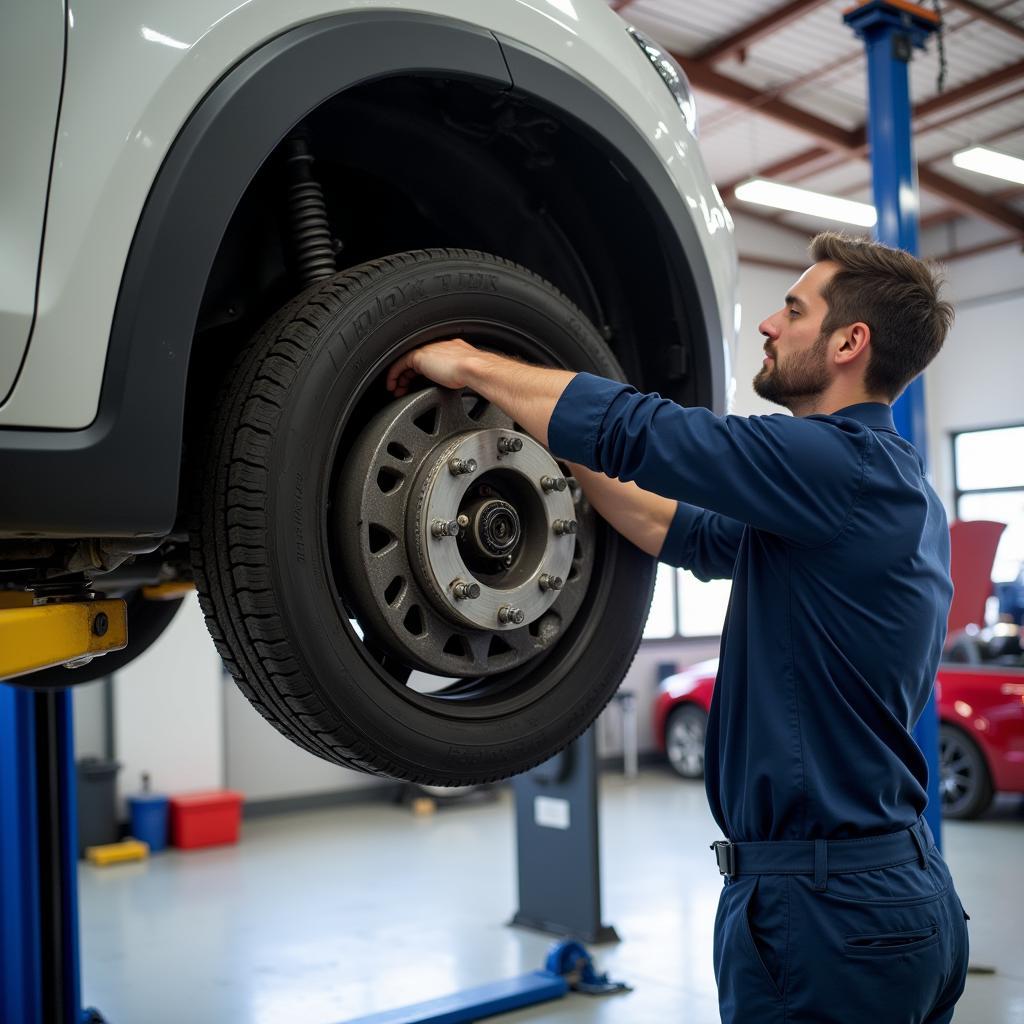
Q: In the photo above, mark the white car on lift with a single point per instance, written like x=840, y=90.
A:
x=223, y=222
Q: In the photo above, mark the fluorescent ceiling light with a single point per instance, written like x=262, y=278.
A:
x=988, y=161
x=799, y=200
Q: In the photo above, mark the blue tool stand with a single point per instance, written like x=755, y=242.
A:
x=39, y=965
x=890, y=34
x=557, y=845
x=568, y=968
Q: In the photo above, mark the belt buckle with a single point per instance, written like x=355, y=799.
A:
x=725, y=854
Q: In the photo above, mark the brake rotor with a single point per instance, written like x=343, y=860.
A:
x=465, y=548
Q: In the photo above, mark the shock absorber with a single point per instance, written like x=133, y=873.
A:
x=311, y=242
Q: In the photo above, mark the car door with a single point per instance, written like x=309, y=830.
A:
x=32, y=44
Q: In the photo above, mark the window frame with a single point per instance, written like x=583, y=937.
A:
x=958, y=491
x=678, y=637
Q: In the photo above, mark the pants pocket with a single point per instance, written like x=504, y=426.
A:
x=756, y=909
x=891, y=943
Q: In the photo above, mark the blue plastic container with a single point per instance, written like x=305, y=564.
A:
x=149, y=813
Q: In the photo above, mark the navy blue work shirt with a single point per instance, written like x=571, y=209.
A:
x=838, y=549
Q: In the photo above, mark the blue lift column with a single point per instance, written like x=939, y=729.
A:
x=39, y=969
x=891, y=31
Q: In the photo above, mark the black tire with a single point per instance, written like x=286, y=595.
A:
x=278, y=600
x=685, y=729
x=146, y=622
x=964, y=779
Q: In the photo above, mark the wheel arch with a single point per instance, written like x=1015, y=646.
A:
x=120, y=476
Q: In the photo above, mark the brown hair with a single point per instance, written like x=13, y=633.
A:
x=896, y=295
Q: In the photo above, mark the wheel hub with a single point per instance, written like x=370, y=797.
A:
x=506, y=540
x=455, y=528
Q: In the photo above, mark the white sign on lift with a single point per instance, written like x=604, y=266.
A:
x=551, y=812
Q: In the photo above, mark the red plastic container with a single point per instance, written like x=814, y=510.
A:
x=205, y=819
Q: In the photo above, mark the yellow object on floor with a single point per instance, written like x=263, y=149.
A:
x=114, y=853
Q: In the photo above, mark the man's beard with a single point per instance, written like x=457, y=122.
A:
x=804, y=375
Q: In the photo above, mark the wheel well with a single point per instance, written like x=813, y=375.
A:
x=411, y=163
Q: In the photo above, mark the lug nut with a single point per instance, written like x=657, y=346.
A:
x=507, y=445
x=444, y=528
x=508, y=613
x=552, y=483
x=562, y=526
x=465, y=591
x=460, y=466
x=548, y=582
x=463, y=521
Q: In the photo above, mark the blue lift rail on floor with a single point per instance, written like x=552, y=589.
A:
x=568, y=968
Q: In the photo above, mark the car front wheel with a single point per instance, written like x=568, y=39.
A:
x=413, y=587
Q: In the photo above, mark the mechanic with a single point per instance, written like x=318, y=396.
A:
x=836, y=905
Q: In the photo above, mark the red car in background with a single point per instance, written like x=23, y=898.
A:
x=981, y=715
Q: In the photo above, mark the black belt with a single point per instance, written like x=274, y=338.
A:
x=823, y=857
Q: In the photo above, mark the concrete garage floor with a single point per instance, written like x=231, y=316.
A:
x=322, y=916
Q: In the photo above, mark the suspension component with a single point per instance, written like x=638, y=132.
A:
x=312, y=244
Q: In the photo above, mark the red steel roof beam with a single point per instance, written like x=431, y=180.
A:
x=749, y=34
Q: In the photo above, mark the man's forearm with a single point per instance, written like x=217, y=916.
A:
x=640, y=516
x=527, y=393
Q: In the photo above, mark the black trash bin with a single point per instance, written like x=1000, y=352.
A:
x=97, y=803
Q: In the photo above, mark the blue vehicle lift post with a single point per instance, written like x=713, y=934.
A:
x=891, y=32
x=39, y=963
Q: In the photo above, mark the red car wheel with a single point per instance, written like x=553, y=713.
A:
x=964, y=779
x=684, y=740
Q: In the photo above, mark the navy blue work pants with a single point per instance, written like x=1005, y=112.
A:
x=886, y=946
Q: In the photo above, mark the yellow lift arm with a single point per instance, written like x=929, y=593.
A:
x=35, y=636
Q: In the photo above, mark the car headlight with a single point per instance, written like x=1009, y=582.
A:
x=672, y=75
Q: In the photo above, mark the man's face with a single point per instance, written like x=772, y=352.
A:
x=796, y=366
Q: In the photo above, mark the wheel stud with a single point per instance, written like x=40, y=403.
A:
x=444, y=528
x=552, y=483
x=465, y=591
x=508, y=445
x=510, y=614
x=549, y=582
x=563, y=526
x=459, y=466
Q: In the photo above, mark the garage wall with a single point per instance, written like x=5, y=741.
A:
x=169, y=710
x=264, y=765
x=978, y=378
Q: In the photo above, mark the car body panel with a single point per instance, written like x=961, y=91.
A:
x=986, y=702
x=113, y=141
x=693, y=686
x=31, y=68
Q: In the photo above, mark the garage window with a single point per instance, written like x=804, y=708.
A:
x=988, y=475
x=683, y=607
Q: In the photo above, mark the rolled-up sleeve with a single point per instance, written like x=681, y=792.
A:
x=795, y=477
x=704, y=542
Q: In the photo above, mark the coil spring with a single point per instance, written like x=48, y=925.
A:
x=312, y=245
